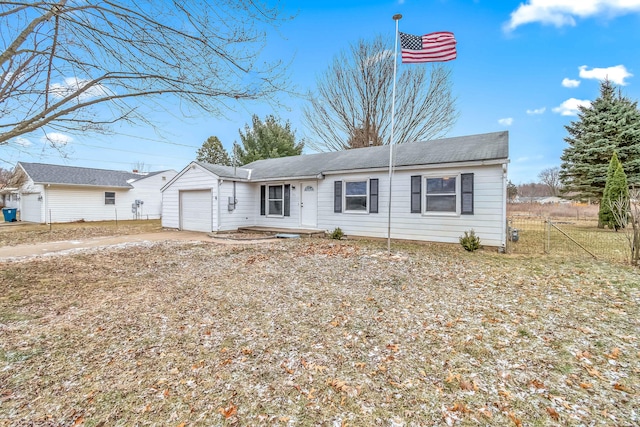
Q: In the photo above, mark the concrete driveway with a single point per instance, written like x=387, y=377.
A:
x=73, y=246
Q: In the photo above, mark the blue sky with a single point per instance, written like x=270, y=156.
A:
x=521, y=67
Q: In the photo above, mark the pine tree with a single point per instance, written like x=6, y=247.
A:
x=267, y=140
x=213, y=152
x=605, y=216
x=611, y=123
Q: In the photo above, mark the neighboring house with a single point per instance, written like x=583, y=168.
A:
x=439, y=190
x=54, y=193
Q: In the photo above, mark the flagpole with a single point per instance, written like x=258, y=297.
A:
x=396, y=17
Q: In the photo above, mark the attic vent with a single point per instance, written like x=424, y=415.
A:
x=164, y=178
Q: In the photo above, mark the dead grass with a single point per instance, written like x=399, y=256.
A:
x=316, y=332
x=571, y=211
x=11, y=235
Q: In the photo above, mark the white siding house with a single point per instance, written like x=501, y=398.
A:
x=439, y=189
x=55, y=193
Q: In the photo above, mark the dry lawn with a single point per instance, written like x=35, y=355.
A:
x=317, y=332
x=17, y=234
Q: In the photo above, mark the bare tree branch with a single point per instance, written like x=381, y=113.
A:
x=352, y=105
x=98, y=62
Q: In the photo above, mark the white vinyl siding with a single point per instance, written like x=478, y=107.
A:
x=487, y=220
x=193, y=178
x=244, y=211
x=68, y=204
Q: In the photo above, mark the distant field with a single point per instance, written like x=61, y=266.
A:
x=577, y=211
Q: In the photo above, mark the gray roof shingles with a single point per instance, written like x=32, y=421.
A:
x=42, y=173
x=489, y=146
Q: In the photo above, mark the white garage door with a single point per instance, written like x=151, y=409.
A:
x=195, y=210
x=31, y=208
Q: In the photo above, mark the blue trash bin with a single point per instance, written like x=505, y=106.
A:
x=9, y=214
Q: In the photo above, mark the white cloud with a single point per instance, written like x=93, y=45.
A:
x=537, y=111
x=616, y=74
x=73, y=84
x=23, y=142
x=564, y=12
x=570, y=82
x=56, y=138
x=508, y=121
x=570, y=107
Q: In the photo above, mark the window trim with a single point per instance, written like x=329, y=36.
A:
x=268, y=200
x=366, y=195
x=457, y=194
x=109, y=200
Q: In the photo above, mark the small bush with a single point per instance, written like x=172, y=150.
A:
x=470, y=241
x=337, y=234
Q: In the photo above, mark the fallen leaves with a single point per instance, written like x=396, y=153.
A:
x=229, y=411
x=258, y=335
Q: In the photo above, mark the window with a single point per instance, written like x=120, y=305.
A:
x=443, y=194
x=355, y=196
x=276, y=200
x=109, y=198
x=440, y=194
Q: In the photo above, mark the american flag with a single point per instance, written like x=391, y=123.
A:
x=432, y=47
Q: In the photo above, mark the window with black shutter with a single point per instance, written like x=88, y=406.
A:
x=337, y=196
x=416, y=194
x=467, y=194
x=373, y=195
x=287, y=200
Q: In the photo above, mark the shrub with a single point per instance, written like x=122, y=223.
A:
x=337, y=234
x=470, y=241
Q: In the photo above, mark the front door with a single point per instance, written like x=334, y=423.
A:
x=309, y=204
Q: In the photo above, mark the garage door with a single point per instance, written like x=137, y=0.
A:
x=195, y=210
x=30, y=208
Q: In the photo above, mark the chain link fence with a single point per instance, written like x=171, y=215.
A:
x=570, y=238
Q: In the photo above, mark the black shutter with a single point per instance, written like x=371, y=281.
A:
x=287, y=200
x=467, y=194
x=416, y=194
x=262, y=199
x=373, y=195
x=337, y=196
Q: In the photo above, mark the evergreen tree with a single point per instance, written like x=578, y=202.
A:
x=611, y=123
x=213, y=152
x=266, y=140
x=618, y=189
x=605, y=216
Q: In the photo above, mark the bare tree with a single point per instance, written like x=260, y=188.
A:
x=5, y=176
x=551, y=178
x=352, y=105
x=626, y=211
x=76, y=66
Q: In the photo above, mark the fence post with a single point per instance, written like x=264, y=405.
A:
x=547, y=240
